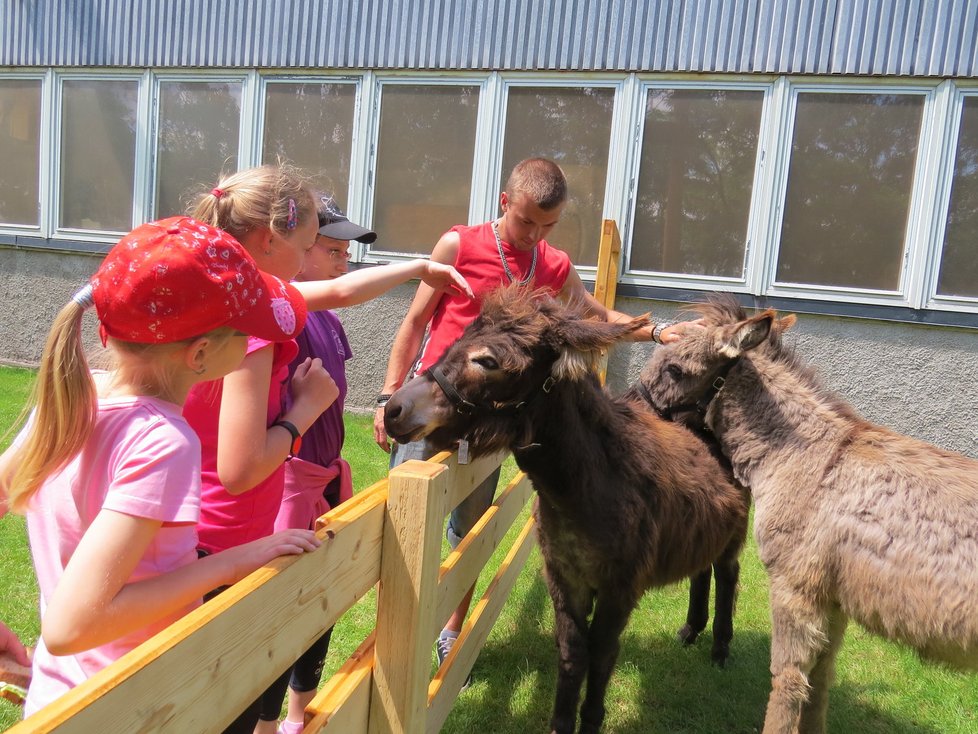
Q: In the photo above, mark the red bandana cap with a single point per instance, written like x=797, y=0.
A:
x=178, y=278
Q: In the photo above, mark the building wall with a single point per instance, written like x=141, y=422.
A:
x=892, y=37
x=915, y=379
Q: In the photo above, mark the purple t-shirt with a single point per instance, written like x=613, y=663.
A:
x=323, y=337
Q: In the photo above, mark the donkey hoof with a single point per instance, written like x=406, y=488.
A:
x=719, y=654
x=687, y=635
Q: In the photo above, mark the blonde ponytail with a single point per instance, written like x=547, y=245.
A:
x=258, y=197
x=65, y=407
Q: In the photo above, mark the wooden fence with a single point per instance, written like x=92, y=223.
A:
x=200, y=672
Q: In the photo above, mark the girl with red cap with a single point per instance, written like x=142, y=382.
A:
x=108, y=475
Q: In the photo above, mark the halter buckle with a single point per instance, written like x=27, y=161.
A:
x=548, y=384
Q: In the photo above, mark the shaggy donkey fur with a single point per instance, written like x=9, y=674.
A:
x=852, y=520
x=626, y=500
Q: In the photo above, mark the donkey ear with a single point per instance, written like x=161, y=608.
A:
x=585, y=335
x=746, y=335
x=581, y=342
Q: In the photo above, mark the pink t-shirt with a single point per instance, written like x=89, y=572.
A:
x=141, y=460
x=228, y=520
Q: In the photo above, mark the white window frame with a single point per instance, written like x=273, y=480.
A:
x=42, y=228
x=613, y=194
x=908, y=290
x=950, y=111
x=55, y=168
x=758, y=208
x=372, y=106
x=246, y=129
x=354, y=203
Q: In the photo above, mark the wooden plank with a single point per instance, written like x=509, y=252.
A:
x=447, y=682
x=464, y=564
x=606, y=281
x=463, y=478
x=343, y=703
x=197, y=674
x=416, y=507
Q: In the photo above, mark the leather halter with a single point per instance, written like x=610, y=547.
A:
x=466, y=407
x=701, y=405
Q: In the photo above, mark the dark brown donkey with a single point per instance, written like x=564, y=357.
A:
x=852, y=519
x=626, y=500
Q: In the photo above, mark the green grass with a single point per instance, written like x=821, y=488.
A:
x=659, y=687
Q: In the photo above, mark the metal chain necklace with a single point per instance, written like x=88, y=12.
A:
x=502, y=257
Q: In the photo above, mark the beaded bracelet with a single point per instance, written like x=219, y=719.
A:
x=382, y=399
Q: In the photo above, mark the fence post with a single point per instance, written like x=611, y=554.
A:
x=606, y=280
x=416, y=509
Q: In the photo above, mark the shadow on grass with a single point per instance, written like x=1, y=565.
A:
x=659, y=686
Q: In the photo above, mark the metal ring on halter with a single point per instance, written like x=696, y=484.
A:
x=85, y=297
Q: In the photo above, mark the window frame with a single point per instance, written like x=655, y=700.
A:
x=353, y=203
x=246, y=124
x=73, y=234
x=42, y=228
x=758, y=209
x=908, y=291
x=948, y=122
x=915, y=300
x=513, y=80
x=373, y=104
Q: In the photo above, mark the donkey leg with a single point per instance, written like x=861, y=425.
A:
x=571, y=607
x=727, y=572
x=699, y=607
x=797, y=637
x=610, y=617
x=813, y=712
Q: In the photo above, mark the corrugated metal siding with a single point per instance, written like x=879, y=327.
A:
x=888, y=37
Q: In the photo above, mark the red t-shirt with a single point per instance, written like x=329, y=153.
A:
x=478, y=261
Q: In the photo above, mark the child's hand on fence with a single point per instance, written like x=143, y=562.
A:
x=313, y=387
x=15, y=666
x=244, y=559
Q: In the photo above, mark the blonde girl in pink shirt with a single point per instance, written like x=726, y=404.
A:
x=109, y=475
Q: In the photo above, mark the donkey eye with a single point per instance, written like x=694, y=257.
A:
x=674, y=372
x=486, y=362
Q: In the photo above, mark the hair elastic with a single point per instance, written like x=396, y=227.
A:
x=218, y=193
x=293, y=219
x=85, y=297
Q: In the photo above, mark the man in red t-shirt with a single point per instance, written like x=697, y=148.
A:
x=510, y=248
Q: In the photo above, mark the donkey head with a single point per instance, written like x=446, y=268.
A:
x=683, y=377
x=522, y=344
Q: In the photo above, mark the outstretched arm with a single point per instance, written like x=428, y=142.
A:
x=94, y=603
x=407, y=341
x=575, y=292
x=363, y=285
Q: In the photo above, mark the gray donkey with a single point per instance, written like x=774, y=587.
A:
x=852, y=520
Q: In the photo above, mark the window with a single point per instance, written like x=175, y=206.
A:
x=20, y=144
x=98, y=136
x=197, y=141
x=573, y=127
x=423, y=171
x=848, y=195
x=959, y=264
x=695, y=181
x=311, y=126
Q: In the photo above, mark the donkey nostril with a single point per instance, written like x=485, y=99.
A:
x=391, y=411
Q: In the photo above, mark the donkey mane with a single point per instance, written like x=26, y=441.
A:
x=723, y=308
